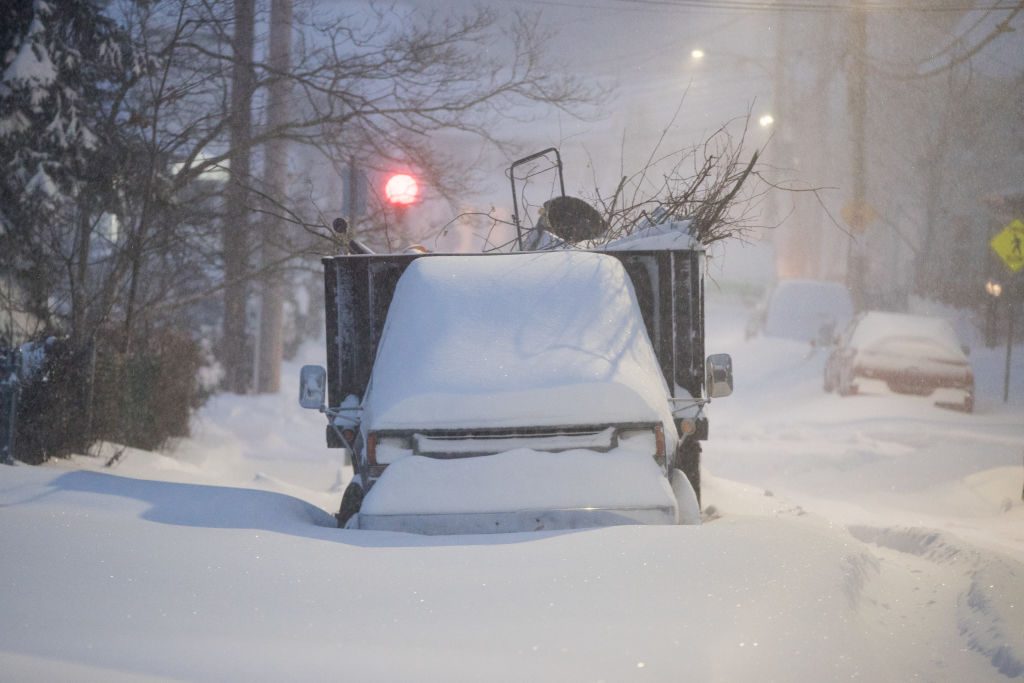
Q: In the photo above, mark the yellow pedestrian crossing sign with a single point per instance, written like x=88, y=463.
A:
x=1009, y=244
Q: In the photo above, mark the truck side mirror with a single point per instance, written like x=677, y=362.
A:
x=312, y=386
x=718, y=375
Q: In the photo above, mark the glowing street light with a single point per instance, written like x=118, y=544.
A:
x=697, y=53
x=993, y=288
x=766, y=120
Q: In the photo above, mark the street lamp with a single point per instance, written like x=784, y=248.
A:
x=697, y=53
x=994, y=289
x=766, y=120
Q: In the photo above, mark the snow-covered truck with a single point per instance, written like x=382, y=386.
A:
x=519, y=391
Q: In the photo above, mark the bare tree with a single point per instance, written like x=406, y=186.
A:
x=388, y=89
x=703, y=185
x=164, y=229
x=379, y=86
x=708, y=192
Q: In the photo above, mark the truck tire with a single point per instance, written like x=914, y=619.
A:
x=687, y=459
x=686, y=500
x=351, y=501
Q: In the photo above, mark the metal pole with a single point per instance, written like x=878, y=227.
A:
x=1009, y=349
x=350, y=196
x=856, y=104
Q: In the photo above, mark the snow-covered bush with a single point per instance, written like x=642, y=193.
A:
x=71, y=397
x=146, y=395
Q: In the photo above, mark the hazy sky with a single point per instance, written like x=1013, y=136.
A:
x=645, y=51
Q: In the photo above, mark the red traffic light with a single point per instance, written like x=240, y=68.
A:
x=401, y=189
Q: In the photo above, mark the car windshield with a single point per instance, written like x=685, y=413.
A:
x=883, y=330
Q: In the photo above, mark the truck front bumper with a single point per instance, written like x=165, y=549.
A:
x=513, y=521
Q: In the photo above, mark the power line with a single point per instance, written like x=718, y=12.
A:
x=788, y=6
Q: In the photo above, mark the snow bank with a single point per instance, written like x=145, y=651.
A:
x=110, y=584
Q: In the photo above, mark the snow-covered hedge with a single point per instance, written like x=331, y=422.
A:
x=71, y=397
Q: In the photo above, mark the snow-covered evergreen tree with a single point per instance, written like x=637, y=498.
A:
x=64, y=67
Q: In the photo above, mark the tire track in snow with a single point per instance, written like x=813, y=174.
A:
x=986, y=589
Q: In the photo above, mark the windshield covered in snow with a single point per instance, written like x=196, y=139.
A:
x=514, y=340
x=897, y=332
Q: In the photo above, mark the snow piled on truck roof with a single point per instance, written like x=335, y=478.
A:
x=514, y=340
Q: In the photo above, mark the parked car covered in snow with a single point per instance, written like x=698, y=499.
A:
x=802, y=310
x=911, y=354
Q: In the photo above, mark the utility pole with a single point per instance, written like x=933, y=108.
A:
x=856, y=102
x=781, y=154
x=234, y=236
x=275, y=230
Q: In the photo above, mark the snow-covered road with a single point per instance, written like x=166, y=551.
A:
x=930, y=497
x=874, y=537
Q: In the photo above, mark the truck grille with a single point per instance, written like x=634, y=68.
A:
x=464, y=444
